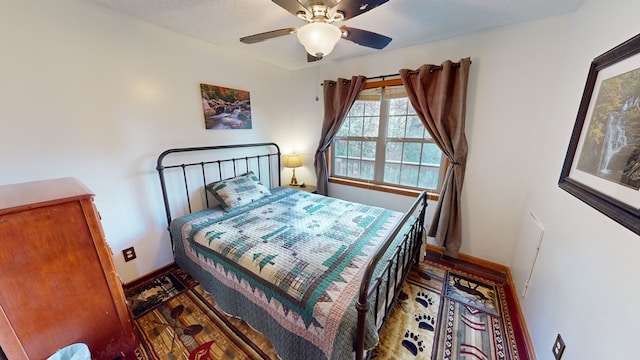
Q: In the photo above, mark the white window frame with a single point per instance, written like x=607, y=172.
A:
x=381, y=145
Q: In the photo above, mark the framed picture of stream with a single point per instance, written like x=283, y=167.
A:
x=602, y=165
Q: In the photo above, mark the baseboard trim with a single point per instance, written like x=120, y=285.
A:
x=144, y=278
x=472, y=259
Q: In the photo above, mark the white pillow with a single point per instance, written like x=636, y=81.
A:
x=238, y=191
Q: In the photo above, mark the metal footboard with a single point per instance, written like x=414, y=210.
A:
x=405, y=255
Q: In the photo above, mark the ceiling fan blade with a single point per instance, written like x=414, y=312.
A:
x=353, y=8
x=252, y=39
x=365, y=38
x=292, y=6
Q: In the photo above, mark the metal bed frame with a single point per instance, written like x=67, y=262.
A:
x=267, y=163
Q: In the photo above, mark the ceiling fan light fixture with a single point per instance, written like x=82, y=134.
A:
x=319, y=38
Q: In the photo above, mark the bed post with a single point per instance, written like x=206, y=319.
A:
x=165, y=197
x=420, y=232
x=362, y=308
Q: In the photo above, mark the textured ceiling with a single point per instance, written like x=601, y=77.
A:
x=407, y=22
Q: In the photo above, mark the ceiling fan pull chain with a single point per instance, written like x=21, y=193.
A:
x=317, y=80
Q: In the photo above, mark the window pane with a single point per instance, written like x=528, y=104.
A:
x=396, y=127
x=353, y=168
x=340, y=147
x=372, y=108
x=367, y=170
x=429, y=177
x=409, y=175
x=411, y=153
x=344, y=128
x=357, y=109
x=371, y=126
x=355, y=128
x=398, y=106
x=431, y=155
x=369, y=150
x=394, y=151
x=340, y=167
x=392, y=173
x=355, y=149
x=415, y=129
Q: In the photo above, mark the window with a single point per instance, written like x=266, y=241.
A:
x=383, y=141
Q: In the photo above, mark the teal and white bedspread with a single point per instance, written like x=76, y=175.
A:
x=290, y=265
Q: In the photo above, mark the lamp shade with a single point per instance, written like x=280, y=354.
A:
x=319, y=38
x=292, y=161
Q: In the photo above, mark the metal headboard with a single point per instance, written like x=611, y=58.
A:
x=261, y=158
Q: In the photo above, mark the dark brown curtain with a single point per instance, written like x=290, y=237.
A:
x=338, y=97
x=439, y=94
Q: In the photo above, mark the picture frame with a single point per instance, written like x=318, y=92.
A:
x=602, y=164
x=225, y=108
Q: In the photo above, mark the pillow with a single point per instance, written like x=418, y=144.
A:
x=238, y=191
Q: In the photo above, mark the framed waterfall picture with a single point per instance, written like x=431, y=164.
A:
x=602, y=165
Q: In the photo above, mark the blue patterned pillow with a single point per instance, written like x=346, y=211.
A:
x=238, y=191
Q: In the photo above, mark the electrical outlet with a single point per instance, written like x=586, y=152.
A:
x=558, y=347
x=129, y=254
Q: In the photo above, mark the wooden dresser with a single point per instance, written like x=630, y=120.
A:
x=58, y=283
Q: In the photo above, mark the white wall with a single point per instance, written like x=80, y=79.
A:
x=96, y=95
x=584, y=282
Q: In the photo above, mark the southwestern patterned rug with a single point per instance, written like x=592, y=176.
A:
x=445, y=313
x=176, y=319
x=442, y=313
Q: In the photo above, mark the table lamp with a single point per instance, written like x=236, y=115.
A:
x=293, y=161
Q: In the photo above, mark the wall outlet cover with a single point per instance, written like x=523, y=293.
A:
x=129, y=254
x=558, y=347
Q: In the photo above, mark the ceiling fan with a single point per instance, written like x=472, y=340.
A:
x=319, y=35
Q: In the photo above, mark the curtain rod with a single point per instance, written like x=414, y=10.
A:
x=435, y=68
x=382, y=76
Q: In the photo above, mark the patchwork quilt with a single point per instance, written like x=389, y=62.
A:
x=298, y=257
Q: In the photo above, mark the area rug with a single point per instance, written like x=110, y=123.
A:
x=176, y=319
x=444, y=313
x=153, y=293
